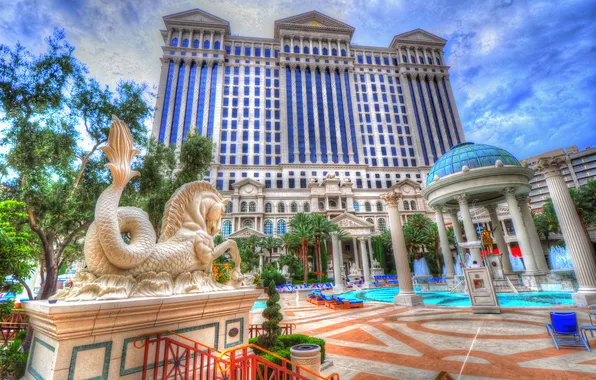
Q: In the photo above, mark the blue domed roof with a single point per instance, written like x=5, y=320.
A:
x=473, y=155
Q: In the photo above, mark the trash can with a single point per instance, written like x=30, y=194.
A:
x=307, y=356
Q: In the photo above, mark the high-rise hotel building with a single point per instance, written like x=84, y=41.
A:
x=307, y=120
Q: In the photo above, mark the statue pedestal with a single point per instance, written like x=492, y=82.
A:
x=301, y=294
x=94, y=339
x=377, y=272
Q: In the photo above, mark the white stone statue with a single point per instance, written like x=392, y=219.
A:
x=354, y=269
x=180, y=262
x=375, y=264
x=285, y=270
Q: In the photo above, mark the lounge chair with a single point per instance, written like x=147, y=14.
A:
x=342, y=303
x=565, y=331
x=376, y=283
x=328, y=300
x=392, y=282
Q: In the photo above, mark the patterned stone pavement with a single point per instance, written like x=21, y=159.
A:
x=382, y=341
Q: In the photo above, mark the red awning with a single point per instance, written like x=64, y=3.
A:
x=515, y=251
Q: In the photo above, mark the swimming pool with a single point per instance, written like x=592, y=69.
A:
x=259, y=305
x=459, y=299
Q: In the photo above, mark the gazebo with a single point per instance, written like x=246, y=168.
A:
x=480, y=175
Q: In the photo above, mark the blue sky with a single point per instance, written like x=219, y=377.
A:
x=523, y=72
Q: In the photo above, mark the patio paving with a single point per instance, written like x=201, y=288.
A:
x=383, y=341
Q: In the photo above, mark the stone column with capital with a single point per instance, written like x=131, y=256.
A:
x=406, y=296
x=537, y=249
x=365, y=267
x=444, y=240
x=337, y=264
x=579, y=246
x=471, y=234
x=500, y=240
x=370, y=250
x=521, y=233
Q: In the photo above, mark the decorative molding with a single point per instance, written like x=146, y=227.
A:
x=30, y=368
x=391, y=199
x=106, y=360
x=241, y=339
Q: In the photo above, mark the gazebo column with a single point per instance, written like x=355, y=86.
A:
x=370, y=250
x=355, y=251
x=365, y=267
x=494, y=220
x=579, y=246
x=406, y=296
x=471, y=234
x=444, y=240
x=533, y=234
x=457, y=230
x=260, y=263
x=337, y=264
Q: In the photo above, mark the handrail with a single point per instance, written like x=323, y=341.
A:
x=334, y=375
x=170, y=332
x=457, y=286
x=511, y=285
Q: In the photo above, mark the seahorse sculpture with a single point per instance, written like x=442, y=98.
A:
x=180, y=262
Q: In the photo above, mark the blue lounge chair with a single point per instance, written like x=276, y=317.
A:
x=565, y=331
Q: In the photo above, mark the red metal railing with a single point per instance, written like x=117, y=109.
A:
x=256, y=330
x=10, y=326
x=178, y=357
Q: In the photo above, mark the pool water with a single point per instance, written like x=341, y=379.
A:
x=259, y=305
x=459, y=299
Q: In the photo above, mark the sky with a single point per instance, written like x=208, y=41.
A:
x=523, y=72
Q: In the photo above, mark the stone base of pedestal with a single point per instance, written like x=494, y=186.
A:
x=366, y=285
x=408, y=300
x=377, y=272
x=94, y=339
x=301, y=294
x=584, y=299
x=532, y=281
x=339, y=289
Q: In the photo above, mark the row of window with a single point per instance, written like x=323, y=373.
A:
x=196, y=44
x=315, y=51
x=281, y=207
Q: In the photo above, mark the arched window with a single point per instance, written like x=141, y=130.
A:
x=343, y=205
x=226, y=228
x=281, y=207
x=332, y=204
x=206, y=44
x=185, y=42
x=321, y=206
x=293, y=207
x=379, y=206
x=421, y=60
x=287, y=49
x=438, y=62
x=429, y=60
x=356, y=207
x=296, y=49
x=175, y=42
x=268, y=229
x=247, y=223
x=367, y=207
x=413, y=205
x=334, y=52
x=196, y=44
x=281, y=227
x=306, y=207
x=343, y=53
x=228, y=207
x=252, y=207
x=305, y=50
x=217, y=45
x=412, y=59
x=315, y=50
x=268, y=207
x=370, y=220
x=406, y=206
x=381, y=225
x=325, y=51
x=243, y=207
x=404, y=58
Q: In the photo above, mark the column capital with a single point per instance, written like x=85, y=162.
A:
x=550, y=166
x=461, y=198
x=391, y=199
x=438, y=208
x=522, y=199
x=363, y=239
x=334, y=235
x=509, y=191
x=491, y=208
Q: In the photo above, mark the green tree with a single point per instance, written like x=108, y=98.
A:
x=269, y=339
x=302, y=230
x=321, y=230
x=269, y=244
x=584, y=198
x=43, y=99
x=433, y=242
x=294, y=265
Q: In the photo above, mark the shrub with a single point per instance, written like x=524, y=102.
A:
x=287, y=341
x=270, y=339
x=274, y=276
x=12, y=360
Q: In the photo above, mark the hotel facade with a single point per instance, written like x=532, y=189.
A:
x=307, y=121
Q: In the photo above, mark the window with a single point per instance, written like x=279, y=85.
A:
x=367, y=207
x=228, y=207
x=406, y=206
x=296, y=49
x=315, y=50
x=195, y=44
x=381, y=225
x=370, y=220
x=268, y=229
x=243, y=207
x=252, y=207
x=306, y=207
x=217, y=45
x=287, y=49
x=325, y=51
x=356, y=207
x=281, y=207
x=281, y=227
x=379, y=206
x=206, y=44
x=413, y=205
x=175, y=42
x=247, y=223
x=226, y=228
x=293, y=207
x=321, y=206
x=332, y=204
x=185, y=42
x=268, y=207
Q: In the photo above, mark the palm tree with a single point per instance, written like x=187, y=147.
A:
x=270, y=243
x=547, y=222
x=287, y=242
x=415, y=238
x=252, y=243
x=321, y=229
x=432, y=234
x=302, y=230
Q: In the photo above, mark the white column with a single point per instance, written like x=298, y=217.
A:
x=315, y=109
x=450, y=127
x=452, y=100
x=340, y=150
x=355, y=251
x=370, y=250
x=471, y=234
x=159, y=104
x=494, y=220
x=365, y=266
x=337, y=264
x=261, y=263
x=406, y=296
x=346, y=104
x=579, y=246
x=537, y=249
x=326, y=115
x=173, y=89
x=169, y=42
x=444, y=240
x=208, y=85
x=520, y=231
x=435, y=99
x=180, y=136
x=303, y=89
x=294, y=115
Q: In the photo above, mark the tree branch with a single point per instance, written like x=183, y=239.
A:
x=29, y=292
x=84, y=162
x=69, y=238
x=35, y=228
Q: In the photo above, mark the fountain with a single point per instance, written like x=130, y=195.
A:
x=562, y=268
x=516, y=263
x=458, y=267
x=421, y=268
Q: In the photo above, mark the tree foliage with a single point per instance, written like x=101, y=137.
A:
x=269, y=339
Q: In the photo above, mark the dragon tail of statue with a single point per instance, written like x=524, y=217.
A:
x=120, y=151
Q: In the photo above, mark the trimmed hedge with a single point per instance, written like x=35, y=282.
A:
x=288, y=341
